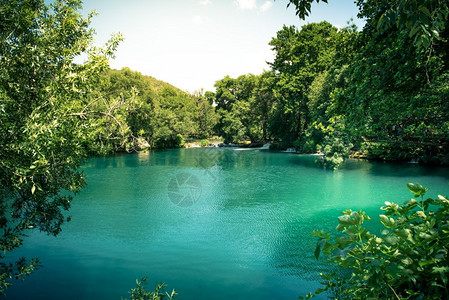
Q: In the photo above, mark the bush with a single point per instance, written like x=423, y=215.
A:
x=170, y=141
x=159, y=293
x=393, y=151
x=204, y=143
x=309, y=146
x=408, y=261
x=335, y=152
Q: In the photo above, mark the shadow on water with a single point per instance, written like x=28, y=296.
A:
x=374, y=168
x=403, y=169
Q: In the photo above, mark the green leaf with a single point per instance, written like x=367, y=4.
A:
x=317, y=251
x=407, y=261
x=424, y=263
x=380, y=23
x=392, y=240
x=443, y=271
x=355, y=217
x=443, y=199
x=388, y=222
x=402, y=233
x=420, y=214
x=414, y=30
x=425, y=236
x=344, y=220
x=425, y=10
x=417, y=189
x=441, y=254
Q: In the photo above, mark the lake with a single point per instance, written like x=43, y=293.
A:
x=211, y=223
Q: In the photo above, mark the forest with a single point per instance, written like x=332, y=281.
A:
x=379, y=92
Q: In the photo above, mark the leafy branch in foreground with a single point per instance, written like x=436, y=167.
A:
x=42, y=138
x=408, y=261
x=159, y=293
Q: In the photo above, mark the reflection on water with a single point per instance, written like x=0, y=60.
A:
x=246, y=237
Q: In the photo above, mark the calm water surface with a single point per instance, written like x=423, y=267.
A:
x=212, y=223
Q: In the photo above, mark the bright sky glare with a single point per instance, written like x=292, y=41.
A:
x=193, y=43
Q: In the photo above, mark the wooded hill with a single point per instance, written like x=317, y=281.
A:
x=149, y=113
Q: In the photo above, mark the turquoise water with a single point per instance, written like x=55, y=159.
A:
x=211, y=223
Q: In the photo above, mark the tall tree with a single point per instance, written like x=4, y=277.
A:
x=396, y=86
x=206, y=118
x=392, y=105
x=45, y=114
x=262, y=102
x=300, y=57
x=233, y=97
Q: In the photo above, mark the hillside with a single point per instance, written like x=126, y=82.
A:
x=144, y=81
x=146, y=111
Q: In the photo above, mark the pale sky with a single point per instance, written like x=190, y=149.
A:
x=193, y=43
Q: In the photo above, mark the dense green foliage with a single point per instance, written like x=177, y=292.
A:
x=408, y=261
x=394, y=104
x=290, y=104
x=381, y=92
x=422, y=20
x=43, y=120
x=236, y=108
x=156, y=114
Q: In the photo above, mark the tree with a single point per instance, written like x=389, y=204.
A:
x=388, y=96
x=393, y=100
x=157, y=114
x=422, y=20
x=46, y=111
x=233, y=99
x=206, y=118
x=300, y=57
x=262, y=103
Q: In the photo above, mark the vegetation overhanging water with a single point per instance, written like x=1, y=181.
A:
x=379, y=93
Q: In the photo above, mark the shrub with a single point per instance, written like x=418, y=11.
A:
x=204, y=143
x=335, y=152
x=170, y=141
x=408, y=261
x=159, y=293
